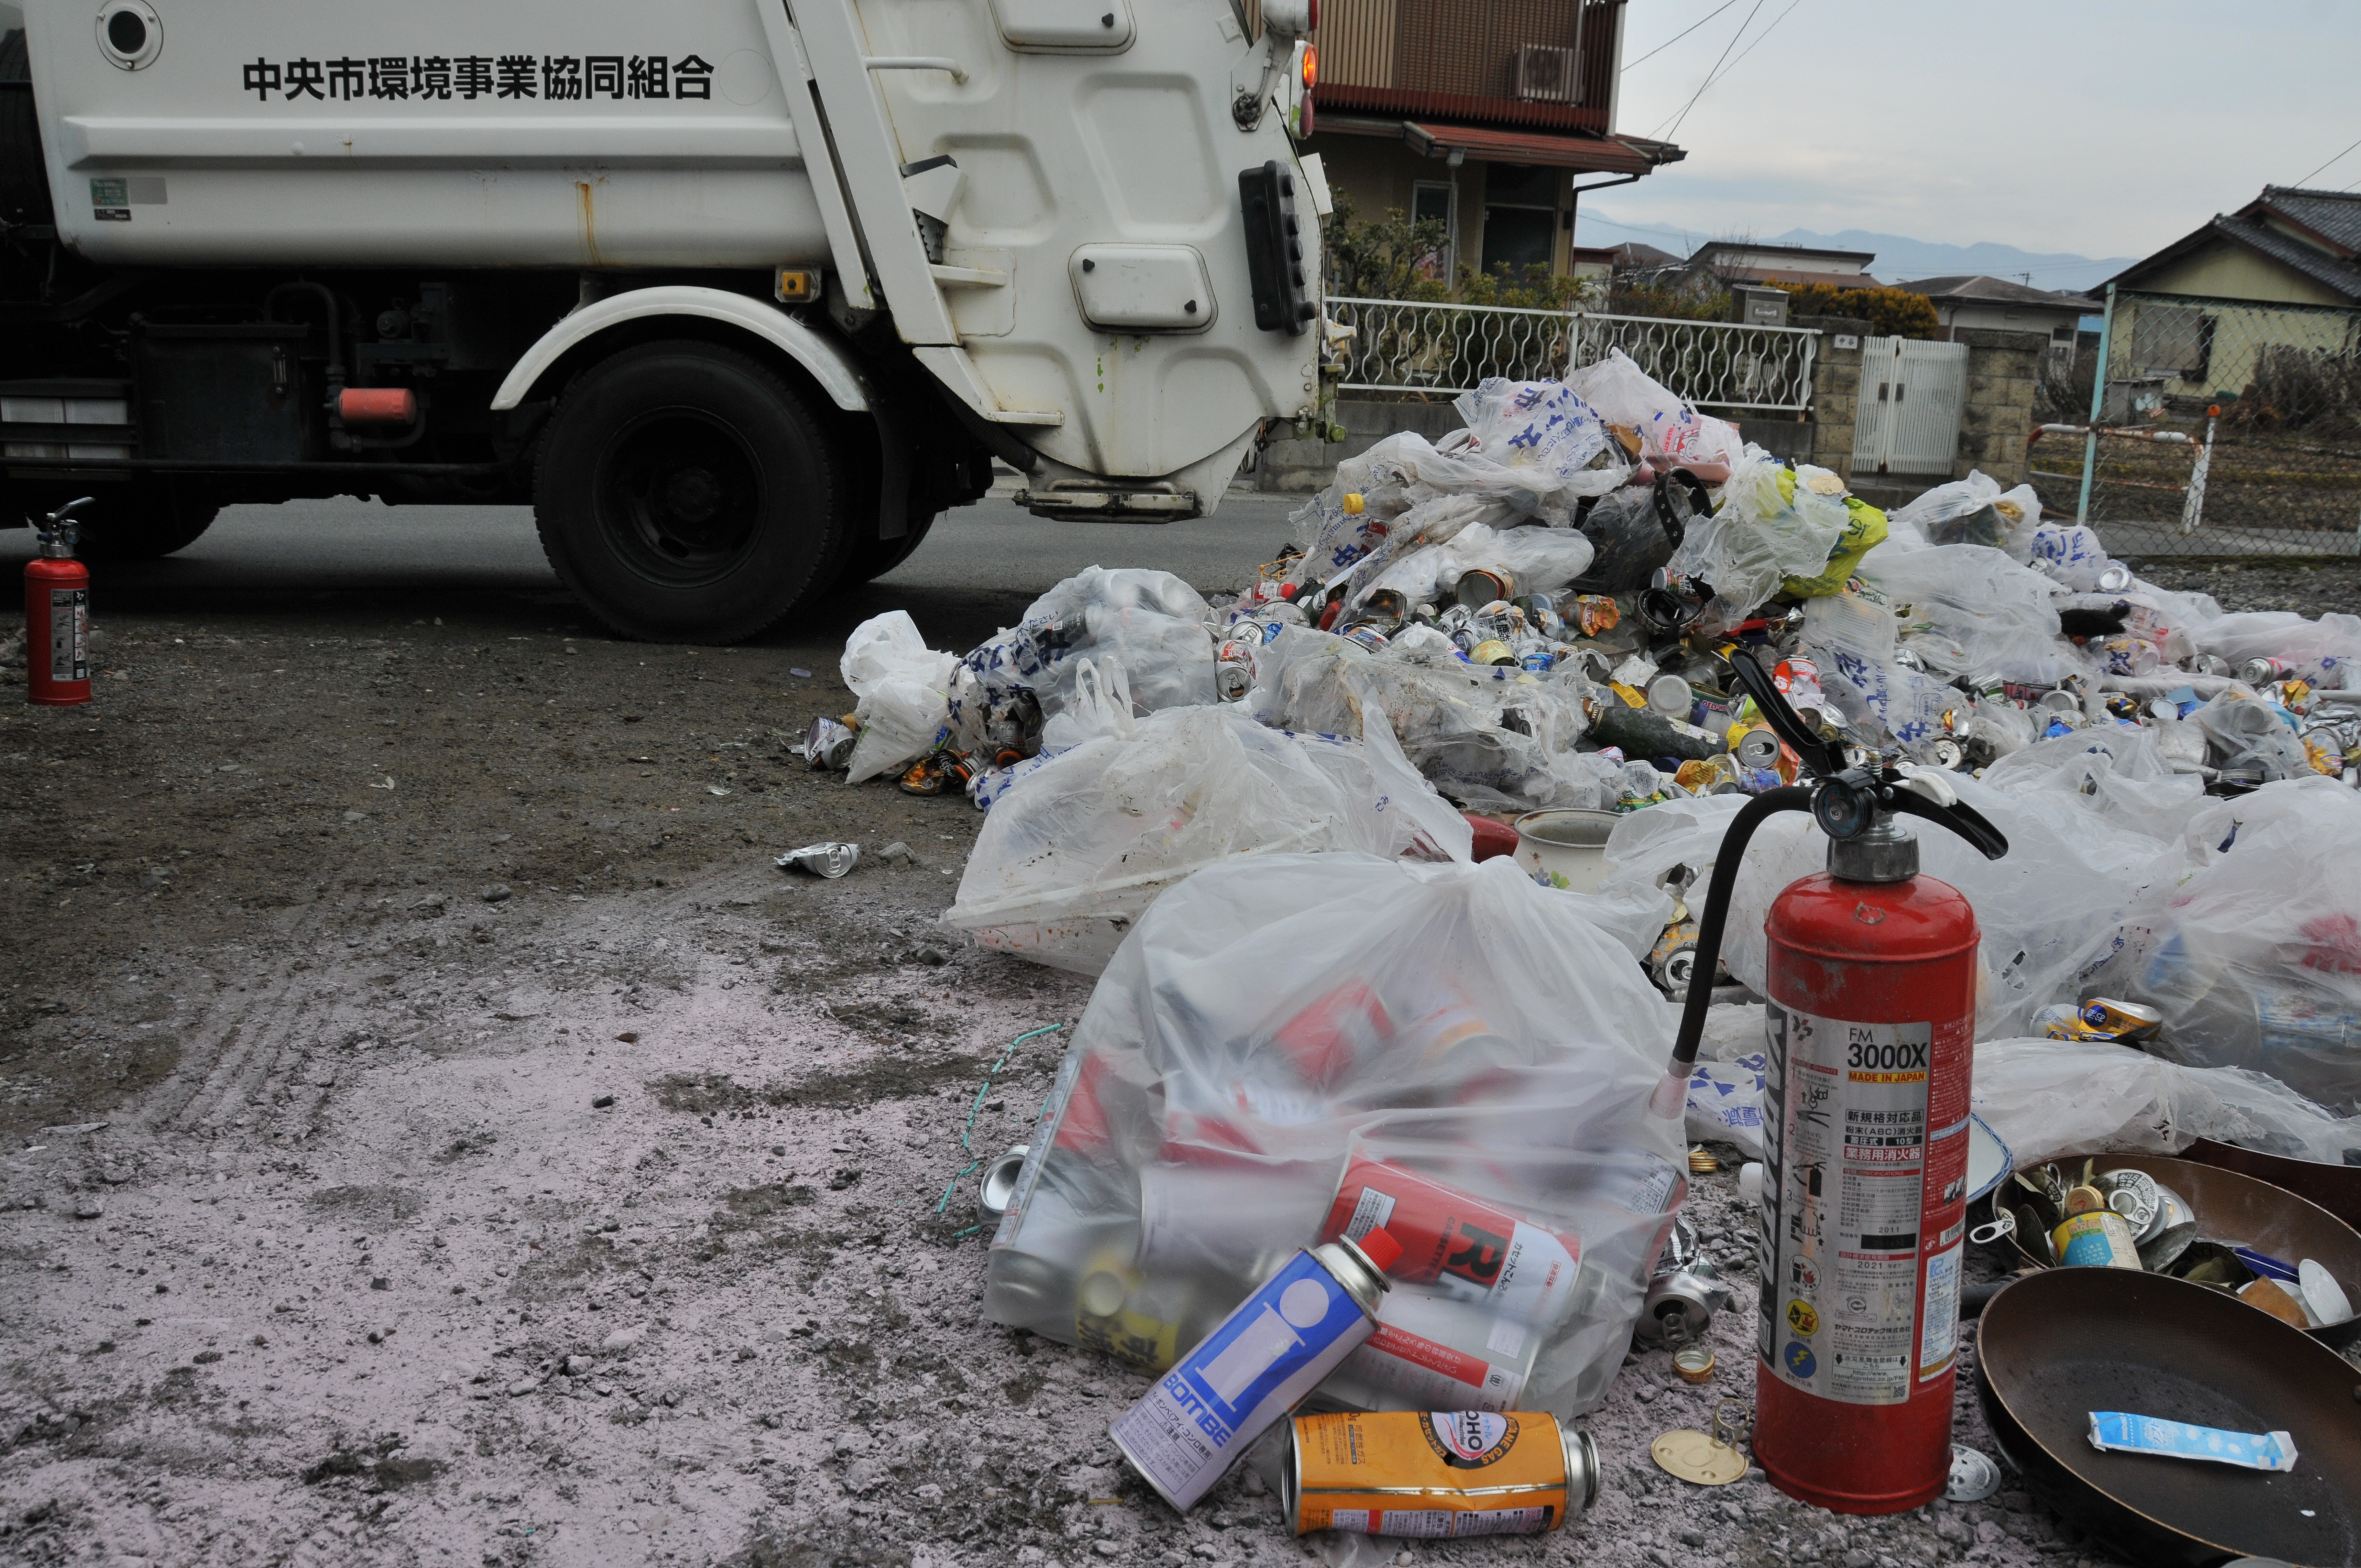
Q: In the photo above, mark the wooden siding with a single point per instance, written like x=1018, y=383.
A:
x=1464, y=47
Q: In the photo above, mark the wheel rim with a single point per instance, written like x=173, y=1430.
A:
x=679, y=496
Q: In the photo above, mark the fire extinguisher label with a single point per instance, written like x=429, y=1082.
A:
x=1862, y=1299
x=69, y=634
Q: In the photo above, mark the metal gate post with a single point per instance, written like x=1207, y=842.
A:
x=2098, y=403
x=2192, y=511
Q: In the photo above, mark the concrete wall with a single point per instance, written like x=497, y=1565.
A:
x=1998, y=415
x=1836, y=389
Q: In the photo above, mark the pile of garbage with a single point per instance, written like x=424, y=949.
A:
x=1385, y=864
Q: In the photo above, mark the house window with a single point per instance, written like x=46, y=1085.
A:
x=2172, y=340
x=1430, y=203
x=1519, y=216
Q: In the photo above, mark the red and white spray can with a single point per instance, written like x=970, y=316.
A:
x=1871, y=976
x=57, y=616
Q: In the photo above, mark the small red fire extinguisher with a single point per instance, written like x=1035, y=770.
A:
x=1872, y=1027
x=56, y=615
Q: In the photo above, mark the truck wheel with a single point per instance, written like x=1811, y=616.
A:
x=142, y=522
x=873, y=557
x=684, y=494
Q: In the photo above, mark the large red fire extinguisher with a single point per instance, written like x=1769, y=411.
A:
x=56, y=615
x=1872, y=1026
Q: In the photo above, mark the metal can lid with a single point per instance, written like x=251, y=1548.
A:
x=999, y=1183
x=1973, y=1477
x=1694, y=1363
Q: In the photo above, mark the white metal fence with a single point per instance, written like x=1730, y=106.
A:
x=1401, y=345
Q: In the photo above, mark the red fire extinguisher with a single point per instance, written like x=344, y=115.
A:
x=1872, y=1026
x=56, y=615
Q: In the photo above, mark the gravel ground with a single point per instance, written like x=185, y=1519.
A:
x=436, y=1134
x=2307, y=588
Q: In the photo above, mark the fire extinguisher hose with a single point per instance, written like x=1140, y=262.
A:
x=1672, y=1094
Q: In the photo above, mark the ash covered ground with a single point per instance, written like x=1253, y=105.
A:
x=331, y=930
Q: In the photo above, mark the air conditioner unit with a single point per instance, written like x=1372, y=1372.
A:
x=1549, y=73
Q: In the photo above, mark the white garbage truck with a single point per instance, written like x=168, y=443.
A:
x=737, y=294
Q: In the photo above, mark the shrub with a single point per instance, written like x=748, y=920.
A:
x=1891, y=313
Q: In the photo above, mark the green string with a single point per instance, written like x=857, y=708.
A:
x=967, y=1133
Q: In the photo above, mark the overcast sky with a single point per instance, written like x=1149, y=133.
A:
x=2095, y=128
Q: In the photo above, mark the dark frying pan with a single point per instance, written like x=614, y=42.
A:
x=2251, y=1212
x=2335, y=1188
x=2057, y=1345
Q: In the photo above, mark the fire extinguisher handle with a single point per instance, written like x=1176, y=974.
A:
x=1763, y=806
x=1819, y=759
x=1958, y=816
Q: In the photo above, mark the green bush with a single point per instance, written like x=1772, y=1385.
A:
x=1891, y=313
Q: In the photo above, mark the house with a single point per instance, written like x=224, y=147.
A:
x=2288, y=246
x=1964, y=303
x=2262, y=300
x=1491, y=116
x=1732, y=261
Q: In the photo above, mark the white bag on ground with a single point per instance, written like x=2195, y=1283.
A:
x=1151, y=622
x=887, y=646
x=1969, y=511
x=2249, y=940
x=2046, y=1098
x=1273, y=1018
x=900, y=719
x=1670, y=431
x=1077, y=848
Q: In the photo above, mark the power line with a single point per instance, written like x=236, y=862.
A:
x=1716, y=66
x=2356, y=142
x=1741, y=56
x=1684, y=32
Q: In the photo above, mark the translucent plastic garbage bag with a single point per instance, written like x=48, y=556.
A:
x=2046, y=1097
x=2250, y=942
x=2051, y=911
x=1487, y=736
x=1074, y=850
x=1854, y=637
x=1972, y=510
x=900, y=721
x=1761, y=536
x=2113, y=771
x=1671, y=433
x=1536, y=559
x=1291, y=1047
x=1538, y=425
x=1149, y=621
x=889, y=645
x=2327, y=650
x=1963, y=608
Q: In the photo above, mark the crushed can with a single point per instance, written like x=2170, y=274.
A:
x=831, y=860
x=1262, y=1361
x=1435, y=1474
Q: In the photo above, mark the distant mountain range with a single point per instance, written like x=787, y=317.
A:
x=1899, y=258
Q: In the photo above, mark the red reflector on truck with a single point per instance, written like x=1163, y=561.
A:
x=378, y=405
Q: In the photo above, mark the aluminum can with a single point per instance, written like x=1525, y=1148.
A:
x=1261, y=1362
x=1432, y=1350
x=830, y=860
x=1756, y=749
x=2122, y=1020
x=1435, y=1474
x=1492, y=650
x=1480, y=587
x=1366, y=636
x=2263, y=671
x=1232, y=682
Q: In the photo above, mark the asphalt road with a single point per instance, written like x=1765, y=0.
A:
x=977, y=570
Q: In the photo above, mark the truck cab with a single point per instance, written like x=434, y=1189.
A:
x=738, y=295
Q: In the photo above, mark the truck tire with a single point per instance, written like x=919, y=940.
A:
x=685, y=493
x=143, y=522
x=873, y=557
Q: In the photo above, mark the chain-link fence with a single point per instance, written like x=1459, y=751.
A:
x=2260, y=405
x=1400, y=346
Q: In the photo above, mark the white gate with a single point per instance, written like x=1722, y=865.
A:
x=1911, y=392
